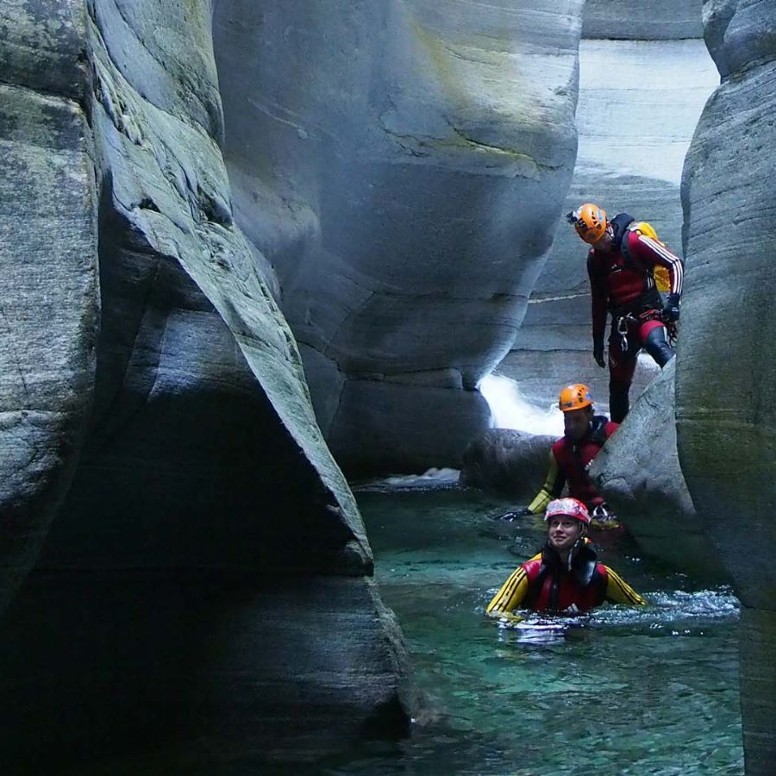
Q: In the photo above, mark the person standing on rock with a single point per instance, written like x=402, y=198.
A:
x=623, y=263
x=565, y=577
x=584, y=434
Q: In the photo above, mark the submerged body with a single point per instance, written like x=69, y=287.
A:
x=545, y=584
x=565, y=577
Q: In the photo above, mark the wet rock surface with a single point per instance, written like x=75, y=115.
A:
x=726, y=369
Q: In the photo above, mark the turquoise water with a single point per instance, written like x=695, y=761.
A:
x=622, y=691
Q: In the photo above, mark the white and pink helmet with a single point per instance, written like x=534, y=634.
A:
x=569, y=507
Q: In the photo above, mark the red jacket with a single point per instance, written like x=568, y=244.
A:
x=553, y=588
x=544, y=584
x=569, y=462
x=574, y=459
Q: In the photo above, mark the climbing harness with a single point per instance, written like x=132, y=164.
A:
x=623, y=322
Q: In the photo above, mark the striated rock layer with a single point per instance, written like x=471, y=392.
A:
x=726, y=372
x=402, y=165
x=48, y=266
x=183, y=566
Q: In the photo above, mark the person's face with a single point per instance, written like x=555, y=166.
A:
x=605, y=243
x=576, y=423
x=563, y=531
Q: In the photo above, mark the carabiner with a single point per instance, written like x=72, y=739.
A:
x=622, y=330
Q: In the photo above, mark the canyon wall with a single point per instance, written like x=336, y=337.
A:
x=402, y=165
x=725, y=369
x=174, y=524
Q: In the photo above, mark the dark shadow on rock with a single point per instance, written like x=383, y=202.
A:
x=189, y=669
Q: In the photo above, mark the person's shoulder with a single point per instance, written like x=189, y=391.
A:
x=637, y=235
x=650, y=245
x=645, y=243
x=532, y=565
x=633, y=237
x=610, y=427
x=604, y=570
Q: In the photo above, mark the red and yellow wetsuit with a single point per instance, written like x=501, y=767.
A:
x=544, y=584
x=569, y=462
x=622, y=282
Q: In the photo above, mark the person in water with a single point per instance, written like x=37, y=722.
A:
x=565, y=577
x=624, y=259
x=584, y=434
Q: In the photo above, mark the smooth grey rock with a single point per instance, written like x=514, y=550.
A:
x=201, y=462
x=638, y=471
x=49, y=309
x=757, y=637
x=448, y=420
x=723, y=384
x=154, y=672
x=637, y=20
x=165, y=52
x=739, y=34
x=726, y=371
x=405, y=183
x=43, y=46
x=507, y=462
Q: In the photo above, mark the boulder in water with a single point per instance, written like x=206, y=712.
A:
x=507, y=461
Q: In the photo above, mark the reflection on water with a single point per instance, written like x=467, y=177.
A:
x=619, y=691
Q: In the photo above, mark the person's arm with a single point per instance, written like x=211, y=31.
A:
x=552, y=488
x=618, y=591
x=651, y=252
x=599, y=300
x=511, y=595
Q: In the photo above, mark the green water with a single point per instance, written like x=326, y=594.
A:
x=623, y=691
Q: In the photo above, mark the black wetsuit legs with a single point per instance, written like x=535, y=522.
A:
x=657, y=347
x=619, y=404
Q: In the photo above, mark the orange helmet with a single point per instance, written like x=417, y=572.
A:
x=574, y=397
x=590, y=222
x=568, y=507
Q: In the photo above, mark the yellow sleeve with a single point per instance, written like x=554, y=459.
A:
x=618, y=591
x=511, y=595
x=552, y=488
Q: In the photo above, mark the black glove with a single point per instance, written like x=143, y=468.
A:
x=510, y=516
x=671, y=308
x=598, y=352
